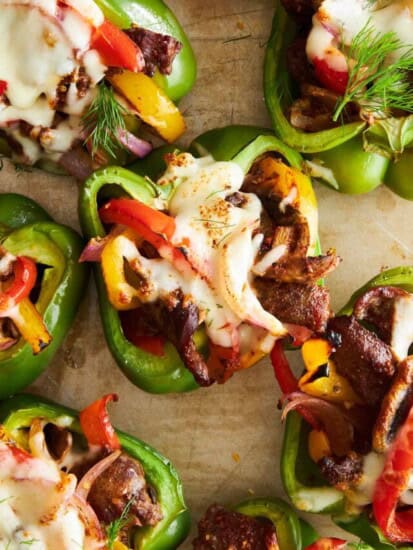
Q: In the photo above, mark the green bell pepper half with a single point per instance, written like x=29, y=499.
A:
x=301, y=477
x=352, y=167
x=156, y=16
x=239, y=144
x=27, y=230
x=17, y=414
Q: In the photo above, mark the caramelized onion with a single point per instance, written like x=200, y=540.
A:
x=333, y=419
x=93, y=531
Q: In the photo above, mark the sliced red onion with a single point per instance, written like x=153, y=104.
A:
x=93, y=250
x=138, y=147
x=333, y=419
x=6, y=342
x=85, y=484
x=94, y=534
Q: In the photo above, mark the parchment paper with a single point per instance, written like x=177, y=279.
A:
x=224, y=441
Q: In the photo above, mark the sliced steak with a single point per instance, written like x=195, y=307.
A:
x=339, y=471
x=298, y=304
x=120, y=484
x=302, y=269
x=221, y=529
x=159, y=50
x=376, y=307
x=362, y=358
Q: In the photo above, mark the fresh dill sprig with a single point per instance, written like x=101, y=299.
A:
x=115, y=527
x=104, y=121
x=377, y=82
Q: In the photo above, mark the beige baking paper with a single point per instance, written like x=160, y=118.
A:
x=225, y=440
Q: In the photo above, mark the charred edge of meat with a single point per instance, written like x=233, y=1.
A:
x=395, y=406
x=362, y=358
x=177, y=321
x=159, y=50
x=376, y=307
x=341, y=471
x=303, y=269
x=221, y=529
x=298, y=304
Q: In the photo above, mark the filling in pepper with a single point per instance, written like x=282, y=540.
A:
x=226, y=261
x=57, y=492
x=352, y=61
x=71, y=77
x=357, y=395
x=18, y=314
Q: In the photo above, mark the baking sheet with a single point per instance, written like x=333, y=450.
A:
x=225, y=440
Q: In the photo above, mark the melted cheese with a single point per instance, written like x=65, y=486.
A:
x=45, y=42
x=339, y=22
x=33, y=505
x=362, y=494
x=218, y=239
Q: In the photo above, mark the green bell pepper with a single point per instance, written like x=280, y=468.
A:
x=351, y=158
x=239, y=144
x=292, y=532
x=301, y=477
x=17, y=413
x=156, y=16
x=27, y=230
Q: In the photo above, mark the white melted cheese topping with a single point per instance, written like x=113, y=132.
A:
x=339, y=21
x=42, y=42
x=219, y=243
x=362, y=494
x=34, y=511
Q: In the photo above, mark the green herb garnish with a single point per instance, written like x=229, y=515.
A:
x=375, y=81
x=115, y=527
x=104, y=121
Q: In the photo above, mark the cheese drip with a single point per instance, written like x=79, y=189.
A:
x=46, y=43
x=34, y=507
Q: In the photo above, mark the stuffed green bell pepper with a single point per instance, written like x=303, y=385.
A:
x=262, y=524
x=347, y=447
x=84, y=78
x=70, y=480
x=201, y=272
x=41, y=285
x=338, y=88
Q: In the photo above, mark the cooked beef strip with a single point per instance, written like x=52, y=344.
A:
x=298, y=304
x=298, y=65
x=159, y=50
x=123, y=482
x=376, y=307
x=341, y=470
x=362, y=358
x=302, y=269
x=221, y=529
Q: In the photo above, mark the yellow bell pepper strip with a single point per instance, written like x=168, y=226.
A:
x=15, y=305
x=121, y=294
x=151, y=102
x=318, y=445
x=328, y=385
x=30, y=324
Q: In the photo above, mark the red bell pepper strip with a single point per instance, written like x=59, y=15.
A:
x=397, y=526
x=327, y=544
x=151, y=224
x=333, y=80
x=3, y=87
x=286, y=379
x=116, y=48
x=96, y=426
x=25, y=275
